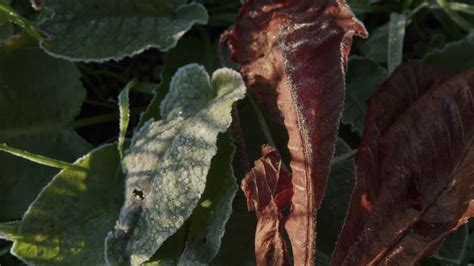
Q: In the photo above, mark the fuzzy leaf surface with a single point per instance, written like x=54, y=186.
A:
x=455, y=57
x=174, y=59
x=209, y=219
x=296, y=68
x=121, y=27
x=168, y=161
x=69, y=220
x=414, y=168
x=268, y=190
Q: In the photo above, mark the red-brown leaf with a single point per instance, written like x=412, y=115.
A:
x=415, y=169
x=294, y=53
x=268, y=190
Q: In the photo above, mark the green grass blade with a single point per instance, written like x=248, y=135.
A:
x=396, y=36
x=40, y=159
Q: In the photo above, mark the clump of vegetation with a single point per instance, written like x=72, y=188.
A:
x=127, y=126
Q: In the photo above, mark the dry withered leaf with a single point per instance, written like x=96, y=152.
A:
x=293, y=55
x=268, y=189
x=415, y=169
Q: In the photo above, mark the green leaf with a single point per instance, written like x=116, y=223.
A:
x=39, y=97
x=7, y=14
x=454, y=246
x=168, y=161
x=462, y=23
x=39, y=93
x=6, y=30
x=93, y=30
x=396, y=35
x=9, y=230
x=68, y=222
x=363, y=78
x=334, y=206
x=124, y=109
x=207, y=223
x=376, y=46
x=203, y=53
x=238, y=242
x=461, y=7
x=469, y=252
x=200, y=237
x=39, y=159
x=454, y=57
x=341, y=148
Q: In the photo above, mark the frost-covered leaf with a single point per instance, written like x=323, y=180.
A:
x=203, y=53
x=268, y=189
x=295, y=53
x=414, y=168
x=68, y=222
x=396, y=35
x=91, y=30
x=168, y=161
x=199, y=239
x=454, y=247
x=39, y=97
x=363, y=78
x=9, y=230
x=454, y=57
x=208, y=221
x=124, y=109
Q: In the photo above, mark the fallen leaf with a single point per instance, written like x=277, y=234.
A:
x=414, y=169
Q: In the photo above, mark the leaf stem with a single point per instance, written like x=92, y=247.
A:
x=90, y=121
x=105, y=118
x=261, y=120
x=40, y=159
x=14, y=17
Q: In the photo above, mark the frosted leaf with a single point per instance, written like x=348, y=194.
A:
x=168, y=161
x=91, y=30
x=209, y=219
x=124, y=109
x=71, y=216
x=8, y=231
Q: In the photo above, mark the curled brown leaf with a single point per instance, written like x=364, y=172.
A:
x=268, y=189
x=293, y=56
x=415, y=168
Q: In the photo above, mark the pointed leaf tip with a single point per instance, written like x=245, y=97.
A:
x=293, y=57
